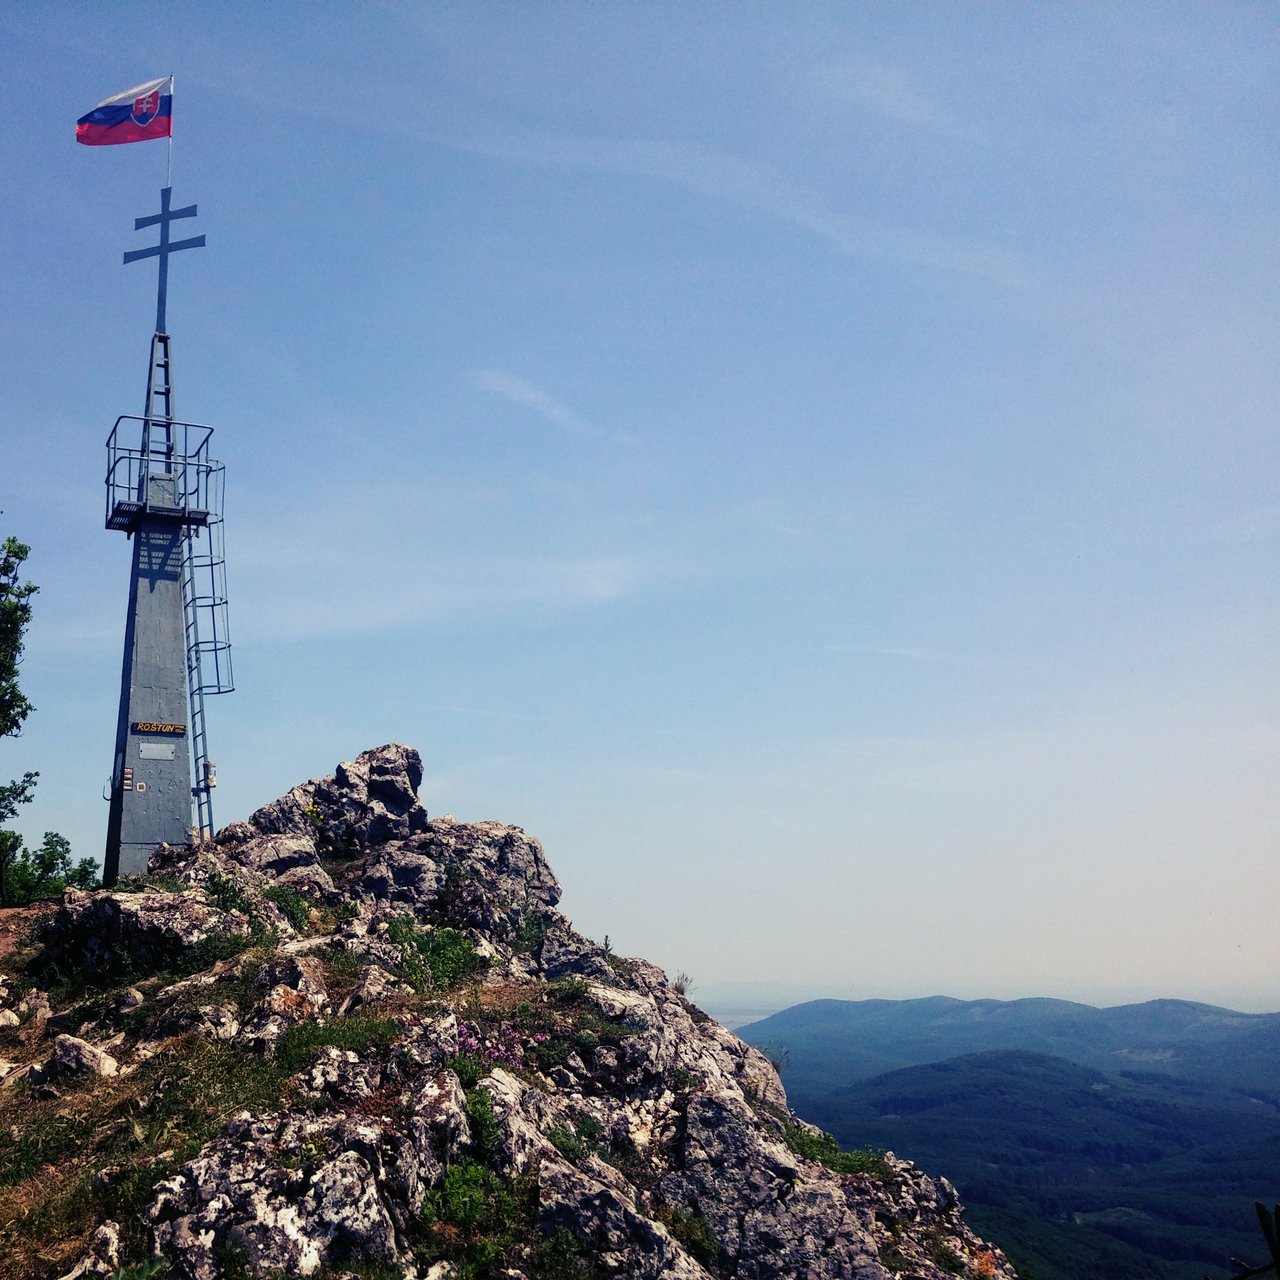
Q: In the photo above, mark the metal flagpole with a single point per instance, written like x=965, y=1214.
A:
x=169, y=175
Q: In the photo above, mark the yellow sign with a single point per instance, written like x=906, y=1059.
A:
x=150, y=726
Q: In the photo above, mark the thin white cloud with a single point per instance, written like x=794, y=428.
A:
x=378, y=596
x=881, y=90
x=714, y=174
x=763, y=188
x=841, y=93
x=519, y=392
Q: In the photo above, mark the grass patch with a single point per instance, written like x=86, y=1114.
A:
x=226, y=893
x=140, y=884
x=823, y=1148
x=69, y=984
x=132, y=1132
x=693, y=1231
x=584, y=1137
x=341, y=969
x=300, y=1044
x=152, y=1269
x=222, y=946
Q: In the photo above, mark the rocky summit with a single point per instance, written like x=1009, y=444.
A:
x=345, y=1039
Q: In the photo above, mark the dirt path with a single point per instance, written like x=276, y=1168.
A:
x=16, y=924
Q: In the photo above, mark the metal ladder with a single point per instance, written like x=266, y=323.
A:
x=204, y=595
x=159, y=411
x=204, y=590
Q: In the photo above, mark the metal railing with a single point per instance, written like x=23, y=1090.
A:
x=160, y=469
x=141, y=450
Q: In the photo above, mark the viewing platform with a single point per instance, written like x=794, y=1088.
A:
x=160, y=470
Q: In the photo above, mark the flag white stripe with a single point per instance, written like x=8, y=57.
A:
x=138, y=91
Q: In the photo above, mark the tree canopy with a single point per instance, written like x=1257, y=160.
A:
x=25, y=874
x=15, y=614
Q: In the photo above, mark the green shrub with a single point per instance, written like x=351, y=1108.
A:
x=942, y=1254
x=297, y=908
x=440, y=957
x=225, y=892
x=893, y=1259
x=569, y=991
x=470, y=1068
x=486, y=1132
x=578, y=1027
x=152, y=1269
x=586, y=1137
x=551, y=1052
x=476, y=1219
x=529, y=933
x=562, y=1256
x=566, y=1142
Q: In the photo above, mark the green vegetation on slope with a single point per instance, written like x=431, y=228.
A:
x=1089, y=1176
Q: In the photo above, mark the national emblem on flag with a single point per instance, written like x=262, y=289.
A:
x=137, y=114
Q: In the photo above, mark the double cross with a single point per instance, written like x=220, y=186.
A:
x=164, y=248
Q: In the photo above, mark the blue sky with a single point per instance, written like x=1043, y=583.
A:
x=813, y=465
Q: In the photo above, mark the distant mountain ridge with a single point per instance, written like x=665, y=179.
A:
x=1125, y=1143
x=829, y=1043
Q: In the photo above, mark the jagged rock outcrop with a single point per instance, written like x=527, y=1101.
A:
x=346, y=1037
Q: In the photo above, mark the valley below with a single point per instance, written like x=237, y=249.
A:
x=1093, y=1144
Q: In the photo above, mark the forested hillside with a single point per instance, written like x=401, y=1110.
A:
x=1129, y=1173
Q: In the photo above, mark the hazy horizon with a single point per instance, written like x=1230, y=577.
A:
x=743, y=997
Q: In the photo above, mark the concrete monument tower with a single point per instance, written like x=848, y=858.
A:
x=164, y=491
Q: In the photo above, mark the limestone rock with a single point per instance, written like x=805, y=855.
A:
x=103, y=1257
x=453, y=1047
x=73, y=1058
x=119, y=933
x=368, y=801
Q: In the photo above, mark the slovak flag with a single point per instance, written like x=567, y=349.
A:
x=145, y=111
